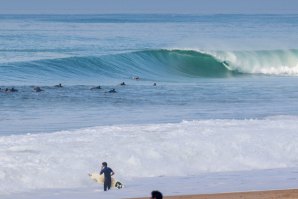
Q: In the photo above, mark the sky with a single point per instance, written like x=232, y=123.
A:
x=149, y=6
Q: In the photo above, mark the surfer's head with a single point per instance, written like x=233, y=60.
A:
x=104, y=164
x=156, y=195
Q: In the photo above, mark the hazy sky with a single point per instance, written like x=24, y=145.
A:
x=149, y=6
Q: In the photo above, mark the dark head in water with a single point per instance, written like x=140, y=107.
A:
x=154, y=84
x=95, y=88
x=136, y=78
x=37, y=89
x=11, y=90
x=58, y=86
x=112, y=91
x=123, y=84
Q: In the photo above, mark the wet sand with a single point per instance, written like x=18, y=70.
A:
x=275, y=194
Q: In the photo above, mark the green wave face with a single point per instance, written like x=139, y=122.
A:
x=192, y=63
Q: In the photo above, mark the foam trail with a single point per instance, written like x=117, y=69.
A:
x=63, y=159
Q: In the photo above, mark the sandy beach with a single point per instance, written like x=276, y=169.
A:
x=274, y=194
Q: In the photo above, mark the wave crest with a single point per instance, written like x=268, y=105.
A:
x=267, y=62
x=158, y=65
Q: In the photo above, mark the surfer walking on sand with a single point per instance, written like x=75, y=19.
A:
x=108, y=172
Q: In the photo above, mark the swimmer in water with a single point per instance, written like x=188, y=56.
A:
x=37, y=89
x=58, y=86
x=95, y=88
x=112, y=91
x=12, y=90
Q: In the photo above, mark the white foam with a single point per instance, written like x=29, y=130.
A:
x=63, y=159
x=275, y=62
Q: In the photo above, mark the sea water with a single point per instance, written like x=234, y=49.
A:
x=226, y=96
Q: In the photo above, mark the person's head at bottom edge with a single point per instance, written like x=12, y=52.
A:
x=156, y=195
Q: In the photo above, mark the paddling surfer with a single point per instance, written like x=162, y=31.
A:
x=108, y=172
x=58, y=86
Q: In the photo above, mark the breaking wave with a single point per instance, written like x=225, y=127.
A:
x=157, y=65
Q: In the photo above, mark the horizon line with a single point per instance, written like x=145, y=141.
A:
x=149, y=13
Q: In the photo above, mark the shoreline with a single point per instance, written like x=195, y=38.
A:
x=185, y=187
x=266, y=194
x=254, y=184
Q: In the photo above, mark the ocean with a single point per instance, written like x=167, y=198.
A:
x=225, y=99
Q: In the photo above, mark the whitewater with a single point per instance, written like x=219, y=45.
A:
x=61, y=160
x=222, y=116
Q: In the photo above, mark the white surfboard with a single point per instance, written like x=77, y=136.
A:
x=100, y=180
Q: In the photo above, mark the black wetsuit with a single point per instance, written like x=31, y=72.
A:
x=108, y=179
